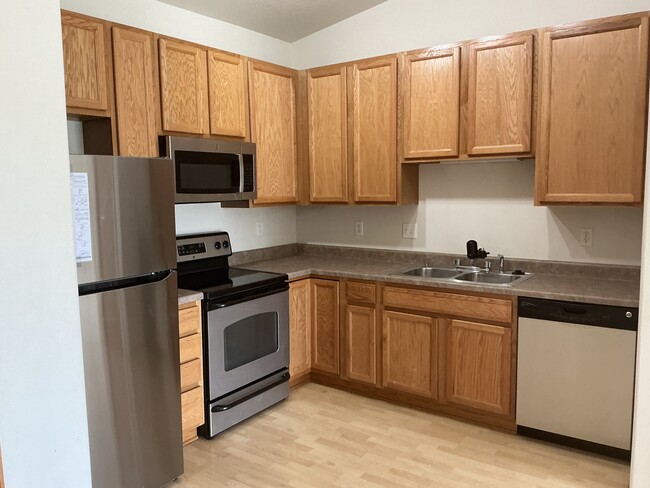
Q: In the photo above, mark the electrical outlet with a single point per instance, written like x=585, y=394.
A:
x=259, y=228
x=409, y=231
x=358, y=228
x=586, y=237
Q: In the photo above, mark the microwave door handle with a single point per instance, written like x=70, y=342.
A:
x=241, y=172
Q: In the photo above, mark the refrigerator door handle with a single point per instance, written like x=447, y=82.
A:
x=91, y=288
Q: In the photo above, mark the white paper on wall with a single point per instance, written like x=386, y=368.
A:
x=81, y=216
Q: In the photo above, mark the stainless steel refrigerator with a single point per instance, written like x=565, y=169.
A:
x=124, y=231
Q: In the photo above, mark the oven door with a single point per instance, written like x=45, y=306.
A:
x=247, y=340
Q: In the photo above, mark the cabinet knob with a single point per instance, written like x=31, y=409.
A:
x=628, y=314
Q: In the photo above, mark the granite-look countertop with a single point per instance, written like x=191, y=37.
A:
x=187, y=296
x=579, y=289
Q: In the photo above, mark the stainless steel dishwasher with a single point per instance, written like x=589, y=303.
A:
x=575, y=374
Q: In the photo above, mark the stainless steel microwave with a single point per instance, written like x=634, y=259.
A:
x=208, y=170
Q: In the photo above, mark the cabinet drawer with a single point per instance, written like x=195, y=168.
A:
x=492, y=309
x=190, y=347
x=361, y=292
x=191, y=375
x=189, y=320
x=192, y=412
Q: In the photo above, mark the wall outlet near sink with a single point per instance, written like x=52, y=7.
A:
x=358, y=227
x=409, y=231
x=586, y=237
x=259, y=228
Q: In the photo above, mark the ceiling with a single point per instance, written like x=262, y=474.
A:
x=288, y=20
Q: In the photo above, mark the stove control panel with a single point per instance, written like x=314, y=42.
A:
x=202, y=246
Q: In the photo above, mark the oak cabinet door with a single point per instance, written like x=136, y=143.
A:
x=273, y=128
x=299, y=327
x=361, y=344
x=191, y=369
x=430, y=87
x=593, y=102
x=84, y=58
x=184, y=88
x=410, y=345
x=228, y=95
x=478, y=366
x=135, y=92
x=328, y=149
x=325, y=325
x=372, y=90
x=500, y=87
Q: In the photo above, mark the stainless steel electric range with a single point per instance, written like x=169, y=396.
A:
x=245, y=331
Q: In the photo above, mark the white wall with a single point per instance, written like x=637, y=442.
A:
x=43, y=427
x=401, y=25
x=278, y=224
x=176, y=22
x=490, y=202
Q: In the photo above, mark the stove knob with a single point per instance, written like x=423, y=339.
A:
x=226, y=244
x=217, y=245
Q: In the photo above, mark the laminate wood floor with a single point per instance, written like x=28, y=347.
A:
x=323, y=437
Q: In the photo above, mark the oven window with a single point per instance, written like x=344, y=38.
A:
x=201, y=172
x=249, y=339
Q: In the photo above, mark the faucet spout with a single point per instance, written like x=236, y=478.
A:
x=502, y=263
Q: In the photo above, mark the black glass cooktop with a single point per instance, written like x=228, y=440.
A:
x=222, y=282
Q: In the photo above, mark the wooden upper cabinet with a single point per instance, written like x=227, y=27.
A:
x=592, y=119
x=430, y=97
x=410, y=359
x=327, y=126
x=228, y=94
x=372, y=101
x=84, y=58
x=325, y=325
x=478, y=366
x=500, y=88
x=184, y=87
x=272, y=92
x=299, y=327
x=136, y=97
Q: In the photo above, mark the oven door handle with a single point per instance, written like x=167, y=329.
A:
x=222, y=408
x=246, y=298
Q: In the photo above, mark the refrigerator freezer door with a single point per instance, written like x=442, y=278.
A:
x=130, y=210
x=131, y=357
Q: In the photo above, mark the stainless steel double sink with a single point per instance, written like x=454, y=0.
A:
x=478, y=276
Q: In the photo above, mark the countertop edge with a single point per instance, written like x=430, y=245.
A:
x=188, y=296
x=432, y=283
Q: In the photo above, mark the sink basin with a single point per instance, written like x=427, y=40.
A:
x=427, y=272
x=462, y=275
x=490, y=278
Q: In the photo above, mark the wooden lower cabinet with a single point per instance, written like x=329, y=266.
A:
x=410, y=353
x=191, y=369
x=478, y=366
x=325, y=325
x=450, y=353
x=299, y=329
x=361, y=344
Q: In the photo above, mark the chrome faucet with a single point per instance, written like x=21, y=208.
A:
x=502, y=263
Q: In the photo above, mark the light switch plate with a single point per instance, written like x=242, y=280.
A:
x=410, y=231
